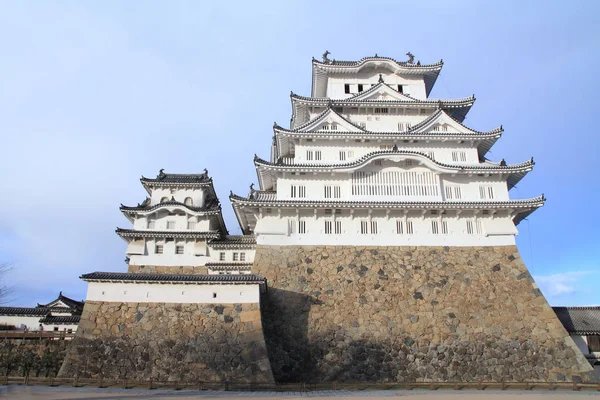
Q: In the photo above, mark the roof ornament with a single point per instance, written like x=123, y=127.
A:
x=440, y=104
x=503, y=163
x=395, y=148
x=376, y=56
x=411, y=58
x=231, y=193
x=251, y=196
x=205, y=172
x=173, y=199
x=380, y=78
x=161, y=173
x=326, y=59
x=419, y=62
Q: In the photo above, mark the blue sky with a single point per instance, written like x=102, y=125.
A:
x=95, y=94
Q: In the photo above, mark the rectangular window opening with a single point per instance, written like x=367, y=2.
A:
x=347, y=88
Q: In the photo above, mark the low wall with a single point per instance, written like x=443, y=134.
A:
x=32, y=357
x=385, y=314
x=168, y=341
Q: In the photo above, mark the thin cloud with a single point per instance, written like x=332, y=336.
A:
x=560, y=284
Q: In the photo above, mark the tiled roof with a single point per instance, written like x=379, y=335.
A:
x=163, y=177
x=212, y=205
x=60, y=319
x=24, y=311
x=174, y=278
x=579, y=320
x=235, y=241
x=363, y=60
x=167, y=234
x=461, y=102
x=73, y=304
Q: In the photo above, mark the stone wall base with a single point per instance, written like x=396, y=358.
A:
x=393, y=314
x=167, y=341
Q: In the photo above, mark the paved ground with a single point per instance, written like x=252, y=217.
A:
x=56, y=393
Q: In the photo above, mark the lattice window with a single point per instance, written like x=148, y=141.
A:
x=342, y=155
x=327, y=191
x=222, y=256
x=470, y=228
x=318, y=155
x=364, y=227
x=395, y=183
x=309, y=155
x=170, y=224
x=242, y=256
x=235, y=256
x=435, y=227
x=292, y=226
x=486, y=192
x=409, y=227
x=453, y=192
x=328, y=227
x=179, y=249
x=301, y=192
x=444, y=226
x=400, y=227
x=593, y=343
x=337, y=192
x=381, y=110
x=298, y=191
x=301, y=227
x=373, y=227
x=338, y=227
x=459, y=156
x=158, y=249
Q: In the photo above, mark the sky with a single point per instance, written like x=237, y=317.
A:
x=93, y=95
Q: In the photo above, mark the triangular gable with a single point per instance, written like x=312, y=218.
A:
x=381, y=91
x=329, y=121
x=441, y=122
x=57, y=303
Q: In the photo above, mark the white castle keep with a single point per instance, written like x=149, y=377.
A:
x=370, y=159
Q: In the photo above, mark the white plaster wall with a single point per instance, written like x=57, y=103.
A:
x=284, y=230
x=413, y=85
x=172, y=293
x=215, y=254
x=197, y=195
x=192, y=255
x=315, y=186
x=379, y=122
x=21, y=322
x=60, y=327
x=330, y=150
x=181, y=219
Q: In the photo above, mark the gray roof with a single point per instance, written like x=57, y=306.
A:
x=26, y=311
x=163, y=177
x=579, y=320
x=60, y=319
x=174, y=278
x=234, y=241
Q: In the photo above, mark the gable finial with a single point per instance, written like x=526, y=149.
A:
x=411, y=58
x=326, y=59
x=395, y=148
x=503, y=163
x=161, y=173
x=380, y=78
x=206, y=172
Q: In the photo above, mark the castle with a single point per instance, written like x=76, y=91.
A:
x=379, y=246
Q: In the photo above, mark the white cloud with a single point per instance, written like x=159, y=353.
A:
x=560, y=284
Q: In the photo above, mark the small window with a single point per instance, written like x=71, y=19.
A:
x=338, y=227
x=364, y=227
x=444, y=227
x=164, y=199
x=399, y=227
x=56, y=329
x=342, y=155
x=214, y=295
x=347, y=88
x=486, y=192
x=309, y=155
x=360, y=87
x=374, y=227
x=158, y=249
x=188, y=201
x=327, y=192
x=409, y=228
x=69, y=330
x=334, y=127
x=301, y=227
x=363, y=125
x=170, y=224
x=337, y=192
x=435, y=229
x=179, y=249
x=318, y=155
x=400, y=89
x=222, y=256
x=470, y=229
x=328, y=225
x=380, y=110
x=292, y=226
x=301, y=192
x=235, y=256
x=242, y=256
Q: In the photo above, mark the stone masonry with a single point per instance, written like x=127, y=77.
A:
x=385, y=314
x=166, y=341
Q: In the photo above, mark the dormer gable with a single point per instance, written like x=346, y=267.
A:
x=381, y=91
x=327, y=121
x=440, y=122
